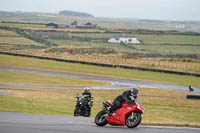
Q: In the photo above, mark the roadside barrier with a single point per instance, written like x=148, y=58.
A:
x=102, y=64
x=193, y=96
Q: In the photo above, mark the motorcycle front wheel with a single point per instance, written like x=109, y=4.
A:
x=133, y=120
x=100, y=118
x=87, y=112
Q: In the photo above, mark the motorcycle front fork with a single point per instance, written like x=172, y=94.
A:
x=133, y=116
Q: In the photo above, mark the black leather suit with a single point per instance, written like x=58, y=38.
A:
x=121, y=98
x=87, y=93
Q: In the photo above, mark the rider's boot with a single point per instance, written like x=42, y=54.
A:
x=109, y=113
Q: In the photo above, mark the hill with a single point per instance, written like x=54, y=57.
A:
x=75, y=14
x=15, y=14
x=67, y=17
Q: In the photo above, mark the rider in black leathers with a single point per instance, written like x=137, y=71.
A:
x=87, y=92
x=125, y=97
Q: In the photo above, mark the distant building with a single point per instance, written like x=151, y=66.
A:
x=52, y=25
x=63, y=26
x=74, y=24
x=87, y=25
x=124, y=39
x=180, y=26
x=90, y=25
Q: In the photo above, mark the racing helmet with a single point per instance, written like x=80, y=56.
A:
x=86, y=89
x=134, y=92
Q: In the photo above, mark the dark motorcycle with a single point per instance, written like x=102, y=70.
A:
x=83, y=106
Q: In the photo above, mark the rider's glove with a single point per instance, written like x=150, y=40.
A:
x=132, y=103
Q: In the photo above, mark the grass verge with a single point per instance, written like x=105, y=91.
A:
x=22, y=62
x=24, y=78
x=162, y=107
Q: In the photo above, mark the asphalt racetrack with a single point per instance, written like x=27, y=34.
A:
x=30, y=123
x=115, y=83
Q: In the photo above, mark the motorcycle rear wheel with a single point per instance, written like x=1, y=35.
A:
x=100, y=118
x=133, y=122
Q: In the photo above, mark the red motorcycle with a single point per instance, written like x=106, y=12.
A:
x=129, y=115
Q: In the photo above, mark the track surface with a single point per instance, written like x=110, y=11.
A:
x=115, y=83
x=30, y=123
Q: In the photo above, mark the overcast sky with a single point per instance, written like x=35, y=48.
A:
x=143, y=9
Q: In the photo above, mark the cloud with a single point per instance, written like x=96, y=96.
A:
x=194, y=9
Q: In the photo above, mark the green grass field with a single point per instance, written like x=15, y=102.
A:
x=37, y=79
x=153, y=43
x=18, y=25
x=21, y=62
x=11, y=38
x=148, y=39
x=156, y=44
x=95, y=35
x=161, y=107
x=117, y=47
x=169, y=39
x=170, y=49
x=18, y=41
x=7, y=33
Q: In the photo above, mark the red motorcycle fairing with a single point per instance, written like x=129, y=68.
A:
x=119, y=117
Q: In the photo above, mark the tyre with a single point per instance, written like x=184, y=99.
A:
x=87, y=114
x=133, y=120
x=100, y=118
x=76, y=111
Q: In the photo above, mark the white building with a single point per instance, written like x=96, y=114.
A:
x=180, y=26
x=123, y=39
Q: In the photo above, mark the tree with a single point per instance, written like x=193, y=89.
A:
x=74, y=23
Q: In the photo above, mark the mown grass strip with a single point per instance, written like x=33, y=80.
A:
x=37, y=79
x=22, y=62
